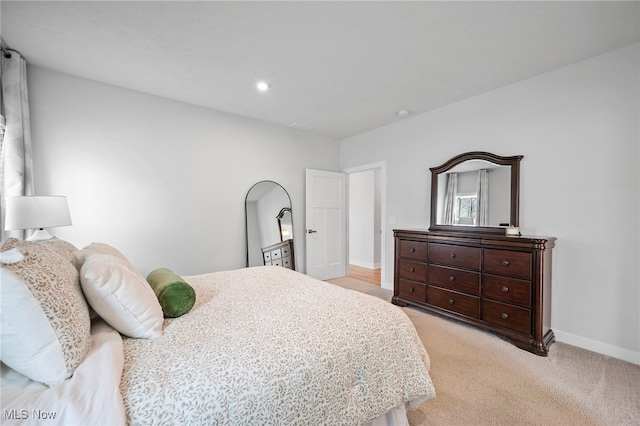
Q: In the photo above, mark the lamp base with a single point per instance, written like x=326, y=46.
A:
x=40, y=235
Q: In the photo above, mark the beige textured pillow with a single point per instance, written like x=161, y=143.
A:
x=45, y=326
x=121, y=296
x=62, y=247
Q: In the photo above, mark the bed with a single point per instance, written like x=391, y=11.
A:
x=262, y=345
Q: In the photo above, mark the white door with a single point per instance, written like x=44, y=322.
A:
x=326, y=224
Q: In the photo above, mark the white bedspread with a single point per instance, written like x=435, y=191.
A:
x=262, y=346
x=267, y=345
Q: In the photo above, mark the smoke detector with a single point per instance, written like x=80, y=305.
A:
x=300, y=126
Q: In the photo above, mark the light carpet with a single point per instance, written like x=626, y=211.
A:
x=481, y=379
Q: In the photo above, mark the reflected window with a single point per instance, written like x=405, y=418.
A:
x=465, y=209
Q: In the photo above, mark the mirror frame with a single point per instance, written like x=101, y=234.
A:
x=281, y=215
x=513, y=161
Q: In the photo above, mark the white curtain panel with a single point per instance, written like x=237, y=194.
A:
x=450, y=198
x=16, y=163
x=483, y=198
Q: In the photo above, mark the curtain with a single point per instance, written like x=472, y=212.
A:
x=450, y=198
x=483, y=198
x=16, y=163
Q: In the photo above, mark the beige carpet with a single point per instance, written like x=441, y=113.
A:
x=482, y=379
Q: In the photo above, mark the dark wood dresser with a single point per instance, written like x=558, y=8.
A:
x=280, y=254
x=498, y=283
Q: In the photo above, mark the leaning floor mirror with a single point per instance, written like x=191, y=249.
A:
x=269, y=225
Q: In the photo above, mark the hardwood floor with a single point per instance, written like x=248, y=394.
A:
x=371, y=276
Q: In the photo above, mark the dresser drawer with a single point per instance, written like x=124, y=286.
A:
x=507, y=316
x=276, y=254
x=445, y=254
x=505, y=262
x=411, y=270
x=453, y=301
x=456, y=279
x=286, y=262
x=413, y=249
x=286, y=251
x=506, y=289
x=412, y=290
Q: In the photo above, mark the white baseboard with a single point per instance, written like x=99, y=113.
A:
x=598, y=347
x=363, y=264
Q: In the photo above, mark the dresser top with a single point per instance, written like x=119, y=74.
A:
x=477, y=238
x=277, y=245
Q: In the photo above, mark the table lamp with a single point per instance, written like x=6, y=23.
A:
x=36, y=212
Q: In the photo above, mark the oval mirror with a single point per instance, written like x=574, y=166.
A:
x=477, y=192
x=269, y=222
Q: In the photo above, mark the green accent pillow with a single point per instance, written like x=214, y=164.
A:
x=176, y=297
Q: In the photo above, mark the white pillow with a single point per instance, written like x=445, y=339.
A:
x=100, y=248
x=44, y=318
x=121, y=296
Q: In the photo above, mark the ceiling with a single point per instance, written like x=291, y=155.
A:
x=339, y=68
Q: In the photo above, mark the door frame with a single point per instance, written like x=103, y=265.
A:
x=382, y=166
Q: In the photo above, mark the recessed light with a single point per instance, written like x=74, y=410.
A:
x=262, y=86
x=402, y=113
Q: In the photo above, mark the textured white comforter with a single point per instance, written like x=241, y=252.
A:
x=262, y=346
x=268, y=345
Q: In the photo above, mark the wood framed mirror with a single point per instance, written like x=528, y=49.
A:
x=477, y=192
x=285, y=224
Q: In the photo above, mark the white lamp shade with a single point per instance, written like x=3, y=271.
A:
x=36, y=212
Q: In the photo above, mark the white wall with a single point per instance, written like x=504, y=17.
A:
x=161, y=180
x=578, y=129
x=361, y=219
x=377, y=217
x=254, y=241
x=499, y=195
x=268, y=208
x=365, y=218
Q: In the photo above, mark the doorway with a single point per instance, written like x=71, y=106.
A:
x=366, y=233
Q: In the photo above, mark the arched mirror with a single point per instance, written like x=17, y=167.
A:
x=269, y=225
x=475, y=192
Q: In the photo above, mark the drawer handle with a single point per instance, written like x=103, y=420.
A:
x=412, y=269
x=451, y=301
x=453, y=255
x=505, y=263
x=504, y=316
x=412, y=250
x=505, y=289
x=412, y=290
x=452, y=278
